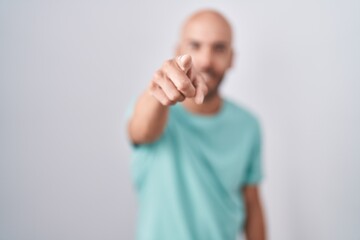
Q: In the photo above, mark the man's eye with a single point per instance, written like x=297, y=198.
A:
x=194, y=45
x=220, y=48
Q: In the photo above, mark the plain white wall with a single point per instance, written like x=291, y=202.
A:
x=68, y=69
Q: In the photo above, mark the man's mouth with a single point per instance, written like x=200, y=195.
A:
x=207, y=76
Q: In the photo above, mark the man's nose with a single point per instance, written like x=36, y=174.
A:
x=204, y=59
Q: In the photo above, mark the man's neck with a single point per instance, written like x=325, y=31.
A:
x=210, y=106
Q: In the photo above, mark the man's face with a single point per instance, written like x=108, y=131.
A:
x=208, y=40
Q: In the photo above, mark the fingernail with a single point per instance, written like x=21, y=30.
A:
x=181, y=58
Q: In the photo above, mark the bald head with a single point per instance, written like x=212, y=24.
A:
x=207, y=20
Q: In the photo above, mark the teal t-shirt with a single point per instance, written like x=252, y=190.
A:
x=189, y=181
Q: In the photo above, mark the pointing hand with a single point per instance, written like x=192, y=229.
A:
x=176, y=80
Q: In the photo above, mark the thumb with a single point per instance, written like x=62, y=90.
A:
x=184, y=62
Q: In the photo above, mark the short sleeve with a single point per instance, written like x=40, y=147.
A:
x=142, y=155
x=254, y=172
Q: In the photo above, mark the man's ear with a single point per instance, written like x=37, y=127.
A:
x=232, y=56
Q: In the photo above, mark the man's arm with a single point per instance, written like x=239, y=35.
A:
x=169, y=85
x=254, y=223
x=148, y=119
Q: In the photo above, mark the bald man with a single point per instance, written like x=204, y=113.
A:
x=196, y=155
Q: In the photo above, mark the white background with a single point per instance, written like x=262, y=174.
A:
x=68, y=70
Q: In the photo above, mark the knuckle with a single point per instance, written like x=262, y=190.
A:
x=162, y=101
x=167, y=102
x=167, y=64
x=184, y=85
x=175, y=96
x=152, y=87
x=181, y=98
x=157, y=74
x=172, y=97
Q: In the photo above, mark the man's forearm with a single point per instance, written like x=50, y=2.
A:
x=255, y=224
x=148, y=120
